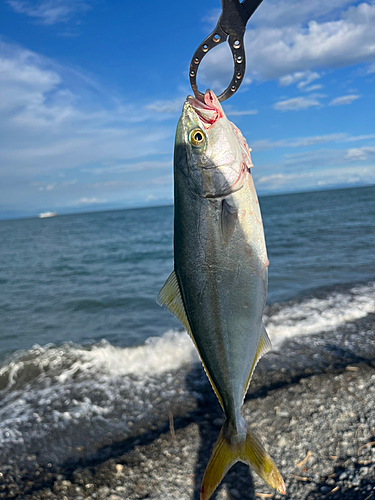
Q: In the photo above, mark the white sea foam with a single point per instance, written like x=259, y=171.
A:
x=62, y=364
x=157, y=355
x=175, y=348
x=316, y=315
x=161, y=354
x=71, y=394
x=83, y=393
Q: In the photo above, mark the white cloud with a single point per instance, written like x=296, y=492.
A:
x=320, y=158
x=49, y=11
x=296, y=103
x=90, y=201
x=316, y=139
x=129, y=167
x=327, y=177
x=151, y=197
x=301, y=142
x=270, y=178
x=286, y=12
x=289, y=46
x=173, y=106
x=291, y=12
x=23, y=83
x=164, y=179
x=312, y=88
x=363, y=137
x=361, y=154
x=234, y=112
x=54, y=124
x=302, y=77
x=314, y=168
x=55, y=185
x=344, y=99
x=45, y=128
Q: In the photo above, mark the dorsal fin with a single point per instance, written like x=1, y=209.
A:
x=170, y=297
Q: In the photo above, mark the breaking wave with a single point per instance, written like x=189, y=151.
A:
x=78, y=397
x=314, y=315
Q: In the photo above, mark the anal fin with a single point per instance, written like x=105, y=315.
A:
x=264, y=346
x=265, y=341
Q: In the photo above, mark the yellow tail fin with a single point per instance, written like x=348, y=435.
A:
x=227, y=452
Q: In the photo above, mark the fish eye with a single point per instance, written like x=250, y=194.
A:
x=197, y=138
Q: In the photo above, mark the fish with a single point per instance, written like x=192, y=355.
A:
x=218, y=287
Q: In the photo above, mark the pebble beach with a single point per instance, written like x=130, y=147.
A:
x=312, y=403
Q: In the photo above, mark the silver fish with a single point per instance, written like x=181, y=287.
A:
x=219, y=284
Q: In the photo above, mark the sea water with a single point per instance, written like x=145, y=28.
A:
x=88, y=356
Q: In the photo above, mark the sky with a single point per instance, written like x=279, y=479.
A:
x=91, y=92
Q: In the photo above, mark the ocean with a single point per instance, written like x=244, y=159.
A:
x=88, y=358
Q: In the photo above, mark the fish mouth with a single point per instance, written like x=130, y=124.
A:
x=209, y=110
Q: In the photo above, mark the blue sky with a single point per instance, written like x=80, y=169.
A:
x=91, y=91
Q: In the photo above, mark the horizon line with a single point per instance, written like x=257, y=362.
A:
x=171, y=203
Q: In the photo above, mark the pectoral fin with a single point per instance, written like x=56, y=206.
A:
x=228, y=220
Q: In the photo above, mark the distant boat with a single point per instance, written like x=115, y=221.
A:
x=44, y=215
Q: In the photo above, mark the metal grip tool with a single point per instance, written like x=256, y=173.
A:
x=231, y=26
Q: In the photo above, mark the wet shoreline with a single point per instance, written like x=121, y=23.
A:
x=311, y=402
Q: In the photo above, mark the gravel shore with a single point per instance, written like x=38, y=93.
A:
x=312, y=403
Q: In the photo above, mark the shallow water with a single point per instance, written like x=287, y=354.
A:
x=87, y=353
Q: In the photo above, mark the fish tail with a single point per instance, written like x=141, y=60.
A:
x=231, y=448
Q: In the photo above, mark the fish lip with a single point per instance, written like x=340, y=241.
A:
x=206, y=110
x=236, y=186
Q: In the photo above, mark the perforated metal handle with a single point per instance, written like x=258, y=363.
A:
x=232, y=24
